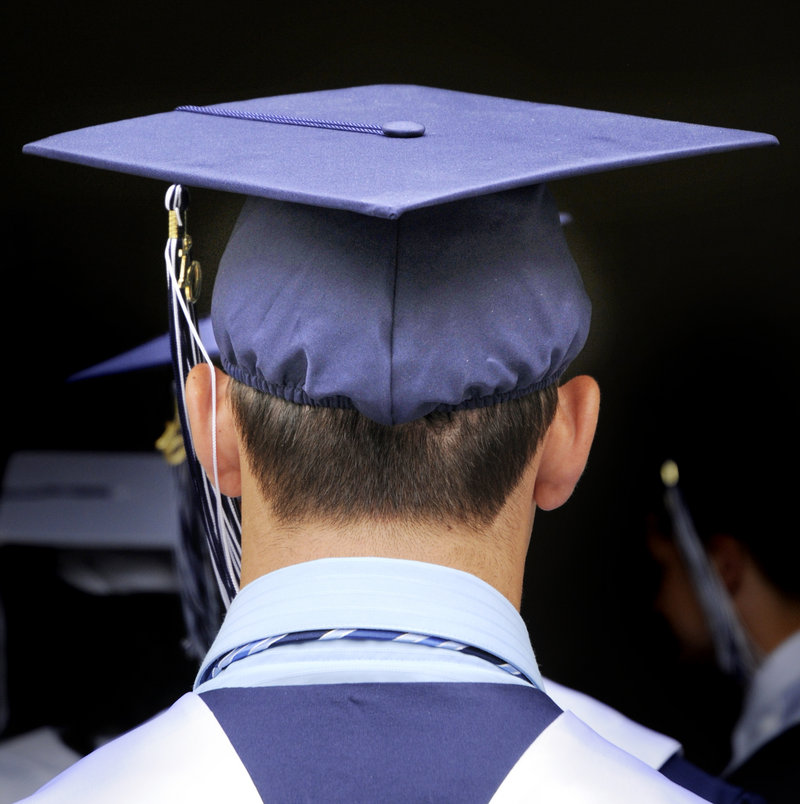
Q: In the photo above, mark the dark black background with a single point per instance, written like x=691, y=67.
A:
x=661, y=247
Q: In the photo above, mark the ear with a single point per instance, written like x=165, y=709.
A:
x=565, y=449
x=730, y=558
x=199, y=397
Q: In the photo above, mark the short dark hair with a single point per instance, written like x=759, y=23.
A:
x=334, y=464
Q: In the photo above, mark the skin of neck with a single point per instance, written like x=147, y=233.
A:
x=494, y=553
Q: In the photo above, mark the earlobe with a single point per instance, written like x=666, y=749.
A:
x=566, y=446
x=201, y=391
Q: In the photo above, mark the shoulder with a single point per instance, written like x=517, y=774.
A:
x=657, y=750
x=652, y=747
x=570, y=762
x=180, y=755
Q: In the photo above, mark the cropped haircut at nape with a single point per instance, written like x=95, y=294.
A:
x=335, y=464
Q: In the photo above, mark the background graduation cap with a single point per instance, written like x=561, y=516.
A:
x=349, y=166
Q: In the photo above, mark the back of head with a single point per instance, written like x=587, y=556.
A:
x=414, y=272
x=392, y=369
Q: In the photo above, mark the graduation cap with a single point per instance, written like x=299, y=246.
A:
x=398, y=252
x=421, y=264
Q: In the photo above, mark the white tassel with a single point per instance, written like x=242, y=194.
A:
x=222, y=515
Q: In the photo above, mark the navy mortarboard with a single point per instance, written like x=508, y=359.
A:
x=399, y=252
x=353, y=281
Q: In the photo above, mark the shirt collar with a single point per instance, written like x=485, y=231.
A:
x=381, y=593
x=772, y=703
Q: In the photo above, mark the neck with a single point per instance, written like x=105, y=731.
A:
x=771, y=623
x=769, y=616
x=495, y=554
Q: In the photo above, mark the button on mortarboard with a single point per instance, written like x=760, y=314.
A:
x=403, y=128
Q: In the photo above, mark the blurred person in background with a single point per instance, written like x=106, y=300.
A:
x=722, y=531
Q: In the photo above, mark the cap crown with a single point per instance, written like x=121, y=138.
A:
x=458, y=305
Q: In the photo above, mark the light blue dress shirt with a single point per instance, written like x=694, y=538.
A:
x=379, y=593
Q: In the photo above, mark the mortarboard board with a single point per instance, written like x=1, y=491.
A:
x=459, y=145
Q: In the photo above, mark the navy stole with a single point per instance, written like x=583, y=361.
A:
x=381, y=742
